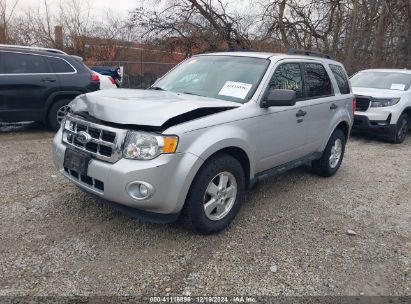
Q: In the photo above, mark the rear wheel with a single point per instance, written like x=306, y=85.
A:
x=215, y=195
x=332, y=157
x=401, y=130
x=57, y=112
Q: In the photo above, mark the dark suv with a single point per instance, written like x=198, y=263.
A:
x=36, y=84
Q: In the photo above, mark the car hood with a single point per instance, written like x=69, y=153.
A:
x=147, y=107
x=377, y=93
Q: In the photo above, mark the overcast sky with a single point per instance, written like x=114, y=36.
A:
x=118, y=7
x=100, y=7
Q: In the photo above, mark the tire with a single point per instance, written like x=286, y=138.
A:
x=401, y=130
x=56, y=113
x=226, y=204
x=332, y=157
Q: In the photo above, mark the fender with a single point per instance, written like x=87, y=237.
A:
x=341, y=116
x=218, y=138
x=208, y=143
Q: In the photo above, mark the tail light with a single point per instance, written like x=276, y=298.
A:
x=354, y=105
x=95, y=77
x=111, y=79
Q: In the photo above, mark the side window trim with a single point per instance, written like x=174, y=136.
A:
x=47, y=62
x=280, y=63
x=62, y=59
x=304, y=72
x=345, y=76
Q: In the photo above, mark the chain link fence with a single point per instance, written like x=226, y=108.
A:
x=140, y=74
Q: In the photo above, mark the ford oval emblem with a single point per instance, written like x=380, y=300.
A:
x=83, y=137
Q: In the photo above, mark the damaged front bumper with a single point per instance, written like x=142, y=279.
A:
x=381, y=128
x=169, y=175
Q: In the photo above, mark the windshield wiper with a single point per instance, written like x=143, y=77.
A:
x=157, y=88
x=189, y=93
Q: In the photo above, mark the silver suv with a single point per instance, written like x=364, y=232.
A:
x=205, y=133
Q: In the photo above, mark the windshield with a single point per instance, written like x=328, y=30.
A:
x=382, y=80
x=223, y=77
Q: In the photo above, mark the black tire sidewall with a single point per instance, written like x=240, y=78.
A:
x=399, y=124
x=52, y=115
x=322, y=166
x=194, y=205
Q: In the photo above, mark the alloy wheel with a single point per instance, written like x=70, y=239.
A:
x=336, y=152
x=62, y=112
x=220, y=196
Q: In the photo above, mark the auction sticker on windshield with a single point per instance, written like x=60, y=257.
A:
x=398, y=86
x=235, y=89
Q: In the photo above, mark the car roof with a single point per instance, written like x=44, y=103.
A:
x=271, y=56
x=405, y=71
x=33, y=50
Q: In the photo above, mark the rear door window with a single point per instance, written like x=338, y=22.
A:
x=60, y=66
x=317, y=82
x=288, y=76
x=341, y=78
x=17, y=63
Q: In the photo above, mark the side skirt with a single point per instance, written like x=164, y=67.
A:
x=285, y=167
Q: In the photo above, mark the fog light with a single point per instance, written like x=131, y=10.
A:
x=144, y=191
x=384, y=123
x=140, y=190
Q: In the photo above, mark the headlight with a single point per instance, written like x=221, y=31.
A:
x=378, y=103
x=141, y=145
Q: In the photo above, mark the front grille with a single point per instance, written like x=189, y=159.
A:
x=362, y=103
x=85, y=180
x=103, y=142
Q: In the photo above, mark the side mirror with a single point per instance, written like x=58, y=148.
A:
x=279, y=98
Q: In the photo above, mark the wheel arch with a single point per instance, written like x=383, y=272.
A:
x=345, y=127
x=407, y=111
x=240, y=155
x=58, y=96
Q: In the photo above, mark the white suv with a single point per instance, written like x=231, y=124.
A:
x=383, y=102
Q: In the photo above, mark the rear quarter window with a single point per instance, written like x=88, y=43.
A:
x=341, y=78
x=317, y=81
x=60, y=66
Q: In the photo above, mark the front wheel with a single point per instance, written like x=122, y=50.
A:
x=57, y=113
x=332, y=157
x=401, y=130
x=215, y=195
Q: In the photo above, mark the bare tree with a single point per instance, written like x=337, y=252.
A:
x=196, y=24
x=7, y=9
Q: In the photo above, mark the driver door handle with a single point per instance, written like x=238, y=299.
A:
x=48, y=79
x=300, y=113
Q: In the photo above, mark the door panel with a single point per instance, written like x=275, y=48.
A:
x=320, y=98
x=280, y=137
x=317, y=122
x=25, y=81
x=281, y=134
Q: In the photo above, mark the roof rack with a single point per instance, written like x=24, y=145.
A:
x=241, y=50
x=308, y=53
x=34, y=48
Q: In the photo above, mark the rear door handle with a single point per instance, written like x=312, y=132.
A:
x=333, y=106
x=48, y=79
x=301, y=113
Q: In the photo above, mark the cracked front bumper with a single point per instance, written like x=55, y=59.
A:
x=169, y=174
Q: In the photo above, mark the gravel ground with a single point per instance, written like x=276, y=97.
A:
x=290, y=237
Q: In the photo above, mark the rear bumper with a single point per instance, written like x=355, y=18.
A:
x=380, y=127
